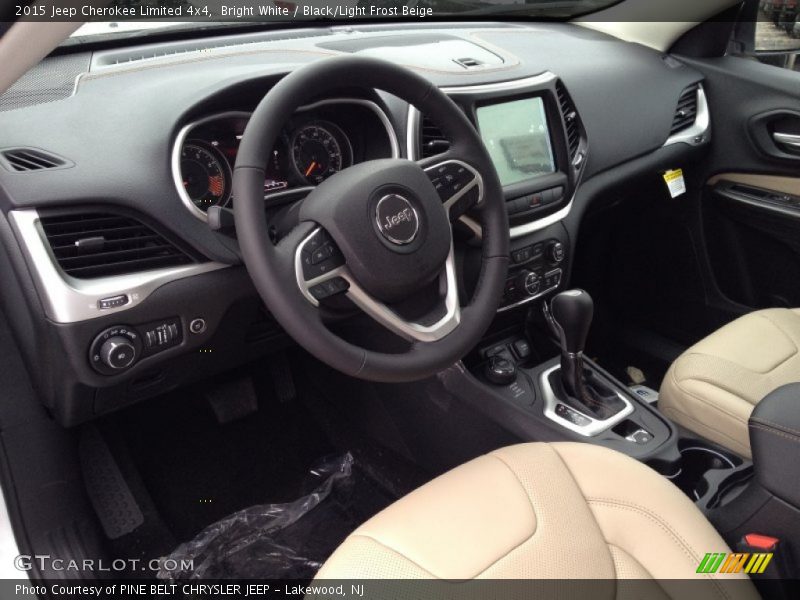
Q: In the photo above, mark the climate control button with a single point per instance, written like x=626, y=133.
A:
x=528, y=283
x=555, y=252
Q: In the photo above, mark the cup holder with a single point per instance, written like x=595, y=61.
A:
x=710, y=476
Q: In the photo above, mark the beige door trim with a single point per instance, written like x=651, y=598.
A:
x=787, y=185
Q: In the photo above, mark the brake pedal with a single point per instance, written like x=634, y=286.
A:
x=282, y=378
x=232, y=400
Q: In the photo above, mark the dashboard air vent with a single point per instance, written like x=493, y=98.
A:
x=686, y=113
x=431, y=139
x=90, y=245
x=570, y=115
x=31, y=159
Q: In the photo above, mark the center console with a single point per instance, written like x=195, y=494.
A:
x=570, y=396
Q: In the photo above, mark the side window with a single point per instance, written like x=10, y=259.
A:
x=769, y=31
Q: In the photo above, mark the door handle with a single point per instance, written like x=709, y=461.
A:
x=787, y=139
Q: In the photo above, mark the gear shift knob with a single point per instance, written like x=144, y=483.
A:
x=572, y=311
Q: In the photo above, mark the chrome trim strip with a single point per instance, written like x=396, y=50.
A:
x=412, y=126
x=790, y=139
x=702, y=124
x=183, y=134
x=595, y=426
x=175, y=161
x=502, y=86
x=537, y=295
x=69, y=300
x=379, y=311
x=525, y=228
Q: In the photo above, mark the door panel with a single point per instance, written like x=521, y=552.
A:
x=753, y=235
x=751, y=205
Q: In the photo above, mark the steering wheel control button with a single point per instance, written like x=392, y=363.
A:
x=197, y=325
x=320, y=255
x=113, y=302
x=329, y=288
x=397, y=219
x=450, y=178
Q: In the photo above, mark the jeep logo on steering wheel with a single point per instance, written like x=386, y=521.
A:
x=397, y=220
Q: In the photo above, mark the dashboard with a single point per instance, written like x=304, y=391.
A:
x=108, y=233
x=320, y=140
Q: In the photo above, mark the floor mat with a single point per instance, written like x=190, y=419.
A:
x=288, y=540
x=198, y=471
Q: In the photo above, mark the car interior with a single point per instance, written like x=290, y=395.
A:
x=448, y=299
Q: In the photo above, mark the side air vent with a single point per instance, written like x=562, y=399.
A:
x=31, y=159
x=431, y=139
x=570, y=119
x=91, y=245
x=686, y=113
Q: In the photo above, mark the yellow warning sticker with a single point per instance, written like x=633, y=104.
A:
x=675, y=182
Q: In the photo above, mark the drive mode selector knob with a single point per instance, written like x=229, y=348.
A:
x=118, y=353
x=115, y=349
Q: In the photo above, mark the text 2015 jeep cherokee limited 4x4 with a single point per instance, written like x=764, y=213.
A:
x=399, y=299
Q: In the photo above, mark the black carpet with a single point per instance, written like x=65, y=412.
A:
x=198, y=471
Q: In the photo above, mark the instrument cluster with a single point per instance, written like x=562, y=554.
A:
x=316, y=143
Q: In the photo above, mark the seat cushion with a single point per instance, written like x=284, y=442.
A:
x=540, y=511
x=712, y=388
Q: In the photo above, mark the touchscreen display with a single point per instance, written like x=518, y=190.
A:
x=516, y=136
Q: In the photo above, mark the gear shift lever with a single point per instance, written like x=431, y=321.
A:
x=572, y=313
x=570, y=316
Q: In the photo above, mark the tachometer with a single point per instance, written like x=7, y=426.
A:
x=206, y=175
x=318, y=150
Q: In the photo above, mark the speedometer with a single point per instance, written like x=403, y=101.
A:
x=205, y=174
x=318, y=150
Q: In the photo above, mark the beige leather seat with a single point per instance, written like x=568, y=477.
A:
x=712, y=388
x=550, y=511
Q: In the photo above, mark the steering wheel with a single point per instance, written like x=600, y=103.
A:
x=379, y=231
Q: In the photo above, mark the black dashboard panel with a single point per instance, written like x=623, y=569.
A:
x=136, y=108
x=625, y=93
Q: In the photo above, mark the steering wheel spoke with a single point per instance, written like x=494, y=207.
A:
x=441, y=322
x=322, y=273
x=459, y=185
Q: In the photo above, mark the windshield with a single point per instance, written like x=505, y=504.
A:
x=115, y=18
